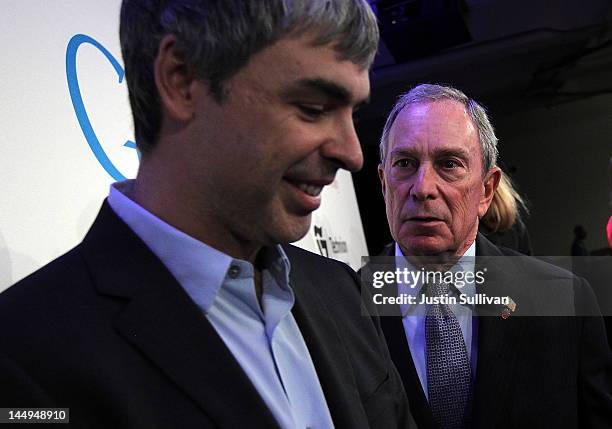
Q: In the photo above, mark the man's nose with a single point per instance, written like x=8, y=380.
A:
x=343, y=147
x=424, y=186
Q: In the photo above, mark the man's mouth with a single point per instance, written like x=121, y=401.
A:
x=311, y=190
x=307, y=192
x=424, y=218
x=312, y=187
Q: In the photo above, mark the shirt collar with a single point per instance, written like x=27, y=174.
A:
x=465, y=263
x=199, y=268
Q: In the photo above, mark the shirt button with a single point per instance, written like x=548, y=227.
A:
x=233, y=272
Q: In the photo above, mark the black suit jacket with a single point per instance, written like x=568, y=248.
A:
x=532, y=372
x=108, y=332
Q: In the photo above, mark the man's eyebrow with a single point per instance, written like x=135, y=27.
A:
x=454, y=151
x=410, y=151
x=326, y=88
x=403, y=151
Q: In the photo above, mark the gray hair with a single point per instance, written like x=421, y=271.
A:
x=425, y=93
x=217, y=38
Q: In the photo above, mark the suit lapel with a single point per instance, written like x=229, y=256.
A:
x=327, y=351
x=161, y=321
x=499, y=340
x=393, y=329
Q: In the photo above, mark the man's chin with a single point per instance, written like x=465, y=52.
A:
x=294, y=228
x=424, y=246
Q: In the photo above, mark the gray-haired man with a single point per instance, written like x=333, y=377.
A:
x=476, y=358
x=180, y=308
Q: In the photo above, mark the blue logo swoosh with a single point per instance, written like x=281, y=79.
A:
x=77, y=101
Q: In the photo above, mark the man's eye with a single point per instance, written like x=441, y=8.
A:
x=311, y=110
x=450, y=164
x=404, y=163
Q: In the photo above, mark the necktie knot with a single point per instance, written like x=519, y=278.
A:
x=437, y=289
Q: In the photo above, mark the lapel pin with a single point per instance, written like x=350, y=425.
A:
x=510, y=308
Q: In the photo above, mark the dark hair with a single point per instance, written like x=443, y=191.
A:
x=217, y=38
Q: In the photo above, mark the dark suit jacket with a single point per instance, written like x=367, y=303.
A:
x=108, y=332
x=532, y=372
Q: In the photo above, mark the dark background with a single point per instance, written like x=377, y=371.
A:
x=543, y=70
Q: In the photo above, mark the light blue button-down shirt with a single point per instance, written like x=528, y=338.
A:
x=414, y=314
x=265, y=340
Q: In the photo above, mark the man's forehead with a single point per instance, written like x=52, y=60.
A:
x=435, y=112
x=309, y=64
x=443, y=123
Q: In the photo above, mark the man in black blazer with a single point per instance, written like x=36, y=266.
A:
x=180, y=308
x=503, y=366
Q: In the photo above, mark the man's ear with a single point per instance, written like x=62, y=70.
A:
x=490, y=183
x=381, y=176
x=174, y=80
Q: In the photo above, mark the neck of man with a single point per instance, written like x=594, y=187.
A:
x=159, y=190
x=440, y=263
